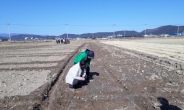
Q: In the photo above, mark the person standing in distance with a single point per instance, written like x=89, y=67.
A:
x=87, y=55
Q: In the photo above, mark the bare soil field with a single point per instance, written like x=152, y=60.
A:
x=136, y=74
x=28, y=70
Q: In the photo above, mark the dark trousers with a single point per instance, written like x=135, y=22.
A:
x=75, y=82
x=87, y=72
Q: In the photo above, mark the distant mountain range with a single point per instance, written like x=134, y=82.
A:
x=168, y=29
x=7, y=35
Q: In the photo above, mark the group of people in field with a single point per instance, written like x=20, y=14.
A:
x=80, y=71
x=62, y=41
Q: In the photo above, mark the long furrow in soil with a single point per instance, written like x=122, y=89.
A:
x=118, y=81
x=102, y=92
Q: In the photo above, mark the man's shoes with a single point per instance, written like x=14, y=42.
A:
x=90, y=80
x=71, y=89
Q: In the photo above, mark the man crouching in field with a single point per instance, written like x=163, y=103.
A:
x=76, y=74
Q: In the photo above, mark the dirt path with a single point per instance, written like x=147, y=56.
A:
x=121, y=81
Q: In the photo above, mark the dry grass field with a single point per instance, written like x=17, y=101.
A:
x=172, y=49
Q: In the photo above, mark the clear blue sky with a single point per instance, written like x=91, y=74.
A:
x=48, y=17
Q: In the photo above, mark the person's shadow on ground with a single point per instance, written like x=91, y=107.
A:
x=92, y=74
x=84, y=83
x=165, y=104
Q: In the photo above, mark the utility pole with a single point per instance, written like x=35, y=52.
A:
x=124, y=33
x=178, y=30
x=67, y=30
x=113, y=29
x=9, y=31
x=145, y=31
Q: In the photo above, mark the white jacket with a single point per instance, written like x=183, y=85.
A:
x=74, y=73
